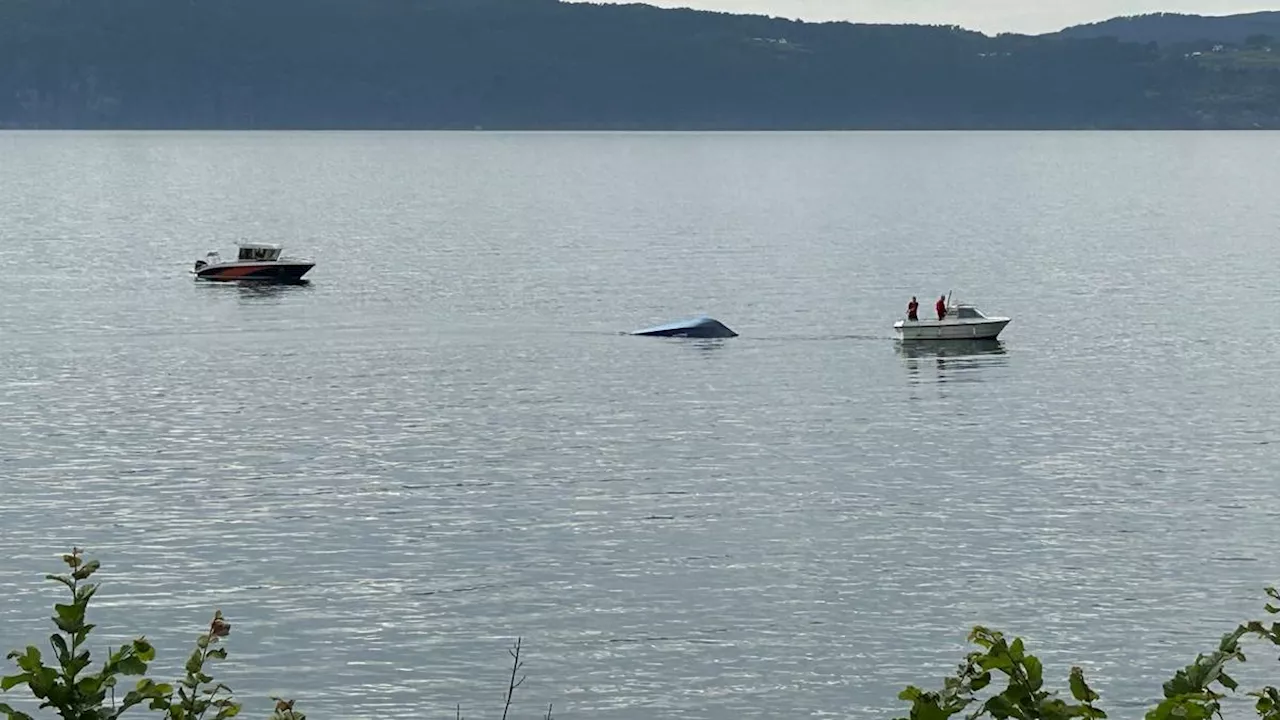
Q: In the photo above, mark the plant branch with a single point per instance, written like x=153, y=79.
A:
x=515, y=669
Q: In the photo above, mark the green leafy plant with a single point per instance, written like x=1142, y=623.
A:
x=1194, y=693
x=1023, y=696
x=197, y=693
x=76, y=693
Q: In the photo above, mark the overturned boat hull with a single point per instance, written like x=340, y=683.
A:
x=698, y=327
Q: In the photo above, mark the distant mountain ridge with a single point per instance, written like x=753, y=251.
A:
x=549, y=65
x=1176, y=28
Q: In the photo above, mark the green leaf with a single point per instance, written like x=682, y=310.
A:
x=30, y=661
x=1052, y=708
x=1080, y=690
x=996, y=662
x=1179, y=685
x=144, y=649
x=60, y=649
x=12, y=714
x=1035, y=671
x=42, y=682
x=61, y=579
x=132, y=665
x=929, y=712
x=1228, y=682
x=78, y=663
x=1160, y=711
x=90, y=684
x=147, y=689
x=1231, y=640
x=69, y=618
x=162, y=689
x=910, y=693
x=980, y=681
x=84, y=571
x=13, y=681
x=85, y=592
x=982, y=638
x=195, y=662
x=1016, y=650
x=79, y=637
x=1000, y=708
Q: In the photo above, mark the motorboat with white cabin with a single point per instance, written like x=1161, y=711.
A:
x=254, y=261
x=962, y=321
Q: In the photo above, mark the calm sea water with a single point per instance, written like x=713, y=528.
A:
x=444, y=442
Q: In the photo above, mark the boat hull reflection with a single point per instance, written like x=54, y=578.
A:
x=950, y=348
x=951, y=361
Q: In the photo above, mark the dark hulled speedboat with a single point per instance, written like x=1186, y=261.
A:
x=255, y=261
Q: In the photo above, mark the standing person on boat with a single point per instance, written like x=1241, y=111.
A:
x=942, y=306
x=912, y=307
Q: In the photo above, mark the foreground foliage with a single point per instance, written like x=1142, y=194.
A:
x=1194, y=693
x=76, y=692
x=1000, y=679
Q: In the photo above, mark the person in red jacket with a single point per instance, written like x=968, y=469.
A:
x=912, y=308
x=942, y=306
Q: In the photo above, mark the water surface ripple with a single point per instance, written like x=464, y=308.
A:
x=444, y=442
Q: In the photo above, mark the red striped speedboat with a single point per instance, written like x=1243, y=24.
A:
x=254, y=261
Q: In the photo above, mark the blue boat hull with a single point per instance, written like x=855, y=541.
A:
x=699, y=327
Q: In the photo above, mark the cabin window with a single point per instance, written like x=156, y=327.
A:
x=252, y=253
x=969, y=314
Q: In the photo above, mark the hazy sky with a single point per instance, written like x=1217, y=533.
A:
x=989, y=16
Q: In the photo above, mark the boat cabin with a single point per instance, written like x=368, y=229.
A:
x=259, y=252
x=966, y=312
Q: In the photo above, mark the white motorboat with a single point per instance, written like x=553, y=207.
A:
x=962, y=321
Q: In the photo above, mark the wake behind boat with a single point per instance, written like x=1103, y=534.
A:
x=254, y=261
x=962, y=321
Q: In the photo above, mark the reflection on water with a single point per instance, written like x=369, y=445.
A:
x=950, y=348
x=387, y=477
x=707, y=346
x=951, y=360
x=253, y=290
x=701, y=346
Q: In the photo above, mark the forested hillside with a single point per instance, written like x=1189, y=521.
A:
x=541, y=64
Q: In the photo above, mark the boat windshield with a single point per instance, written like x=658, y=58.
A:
x=252, y=252
x=968, y=313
